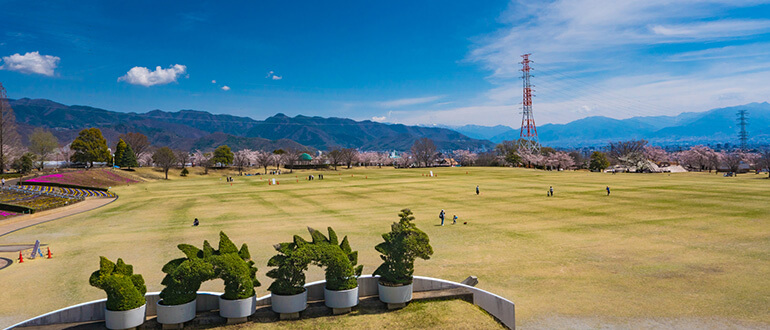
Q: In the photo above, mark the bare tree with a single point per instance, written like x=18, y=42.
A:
x=138, y=142
x=335, y=157
x=263, y=159
x=42, y=143
x=241, y=159
x=183, y=157
x=349, y=156
x=764, y=161
x=9, y=137
x=733, y=160
x=424, y=151
x=164, y=158
x=630, y=153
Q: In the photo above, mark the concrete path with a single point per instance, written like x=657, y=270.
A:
x=23, y=221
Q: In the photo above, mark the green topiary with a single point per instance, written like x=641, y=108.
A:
x=185, y=172
x=125, y=290
x=339, y=260
x=233, y=266
x=403, y=244
x=184, y=276
x=292, y=261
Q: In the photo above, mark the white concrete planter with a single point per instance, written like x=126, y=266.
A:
x=341, y=299
x=395, y=294
x=175, y=314
x=285, y=304
x=125, y=319
x=233, y=309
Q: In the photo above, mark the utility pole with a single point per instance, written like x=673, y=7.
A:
x=743, y=136
x=528, y=132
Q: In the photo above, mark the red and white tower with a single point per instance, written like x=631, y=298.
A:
x=528, y=134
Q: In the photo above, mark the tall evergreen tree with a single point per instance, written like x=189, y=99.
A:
x=128, y=158
x=120, y=150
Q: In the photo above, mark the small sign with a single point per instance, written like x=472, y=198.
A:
x=273, y=180
x=35, y=249
x=431, y=173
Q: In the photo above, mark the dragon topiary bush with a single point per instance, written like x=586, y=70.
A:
x=185, y=275
x=125, y=290
x=233, y=266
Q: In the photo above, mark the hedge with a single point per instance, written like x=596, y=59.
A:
x=62, y=185
x=16, y=208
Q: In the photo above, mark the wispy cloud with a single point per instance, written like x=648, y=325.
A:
x=225, y=88
x=31, y=63
x=143, y=76
x=410, y=101
x=379, y=119
x=616, y=58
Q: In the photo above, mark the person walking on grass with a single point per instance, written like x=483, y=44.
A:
x=477, y=190
x=454, y=220
x=441, y=216
x=608, y=190
x=551, y=191
x=3, y=182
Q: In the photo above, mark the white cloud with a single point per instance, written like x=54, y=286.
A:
x=225, y=88
x=379, y=119
x=271, y=74
x=31, y=63
x=213, y=81
x=409, y=101
x=143, y=76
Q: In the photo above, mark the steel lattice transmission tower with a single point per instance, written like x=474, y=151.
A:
x=528, y=134
x=743, y=135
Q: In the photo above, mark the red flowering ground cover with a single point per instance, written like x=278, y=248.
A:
x=101, y=178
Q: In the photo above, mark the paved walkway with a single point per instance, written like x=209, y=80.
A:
x=23, y=221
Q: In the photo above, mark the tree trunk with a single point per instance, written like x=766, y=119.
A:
x=167, y=173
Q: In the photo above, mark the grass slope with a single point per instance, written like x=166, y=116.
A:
x=691, y=245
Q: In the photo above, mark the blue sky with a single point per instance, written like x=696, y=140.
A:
x=413, y=62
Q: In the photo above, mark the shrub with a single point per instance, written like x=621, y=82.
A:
x=403, y=244
x=184, y=276
x=233, y=266
x=339, y=260
x=292, y=261
x=185, y=172
x=125, y=290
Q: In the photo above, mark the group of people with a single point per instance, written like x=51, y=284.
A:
x=275, y=172
x=312, y=177
x=441, y=216
x=230, y=179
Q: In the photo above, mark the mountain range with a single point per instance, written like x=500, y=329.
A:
x=689, y=128
x=192, y=129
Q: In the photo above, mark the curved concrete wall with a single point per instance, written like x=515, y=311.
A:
x=502, y=309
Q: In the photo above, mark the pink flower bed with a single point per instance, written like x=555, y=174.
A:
x=5, y=214
x=90, y=178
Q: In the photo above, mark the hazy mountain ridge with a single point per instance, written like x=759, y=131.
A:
x=712, y=126
x=193, y=129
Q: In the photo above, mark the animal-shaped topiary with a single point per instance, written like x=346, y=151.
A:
x=185, y=275
x=291, y=261
x=339, y=260
x=125, y=290
x=403, y=244
x=233, y=266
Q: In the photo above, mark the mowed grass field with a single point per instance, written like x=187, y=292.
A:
x=682, y=250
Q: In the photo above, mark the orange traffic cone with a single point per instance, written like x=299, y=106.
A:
x=21, y=258
x=278, y=182
x=49, y=253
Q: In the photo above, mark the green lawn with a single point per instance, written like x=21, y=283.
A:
x=450, y=314
x=691, y=245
